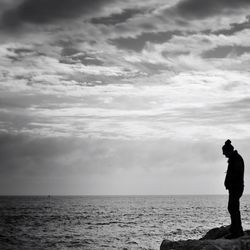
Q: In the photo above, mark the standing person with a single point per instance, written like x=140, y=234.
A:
x=234, y=183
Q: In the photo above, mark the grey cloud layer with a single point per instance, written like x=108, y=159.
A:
x=137, y=43
x=47, y=165
x=46, y=11
x=224, y=51
x=36, y=155
x=117, y=18
x=199, y=9
x=235, y=27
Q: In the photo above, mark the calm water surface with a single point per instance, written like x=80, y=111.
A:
x=110, y=222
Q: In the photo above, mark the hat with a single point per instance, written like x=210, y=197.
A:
x=228, y=146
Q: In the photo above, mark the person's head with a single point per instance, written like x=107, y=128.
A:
x=227, y=148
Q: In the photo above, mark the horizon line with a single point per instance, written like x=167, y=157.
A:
x=51, y=195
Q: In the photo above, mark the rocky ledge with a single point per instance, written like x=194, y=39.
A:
x=213, y=240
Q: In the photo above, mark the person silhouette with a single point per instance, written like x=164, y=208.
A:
x=234, y=183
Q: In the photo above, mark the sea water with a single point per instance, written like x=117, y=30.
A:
x=110, y=222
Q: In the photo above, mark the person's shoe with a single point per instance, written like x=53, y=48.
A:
x=234, y=235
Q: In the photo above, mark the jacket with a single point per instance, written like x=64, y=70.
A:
x=235, y=172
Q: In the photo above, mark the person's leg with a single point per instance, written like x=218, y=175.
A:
x=237, y=214
x=232, y=203
x=234, y=210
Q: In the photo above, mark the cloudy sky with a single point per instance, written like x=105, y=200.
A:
x=122, y=97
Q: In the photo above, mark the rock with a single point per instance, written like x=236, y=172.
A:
x=213, y=240
x=216, y=233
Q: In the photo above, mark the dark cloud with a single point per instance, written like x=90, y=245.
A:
x=234, y=27
x=138, y=43
x=47, y=11
x=95, y=155
x=153, y=68
x=35, y=165
x=24, y=155
x=117, y=18
x=22, y=146
x=21, y=101
x=83, y=59
x=224, y=51
x=71, y=55
x=199, y=9
x=18, y=54
x=13, y=100
x=17, y=115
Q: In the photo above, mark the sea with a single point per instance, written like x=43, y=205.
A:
x=110, y=222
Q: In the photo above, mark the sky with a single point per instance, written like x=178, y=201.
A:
x=114, y=97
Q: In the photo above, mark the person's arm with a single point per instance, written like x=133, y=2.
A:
x=227, y=179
